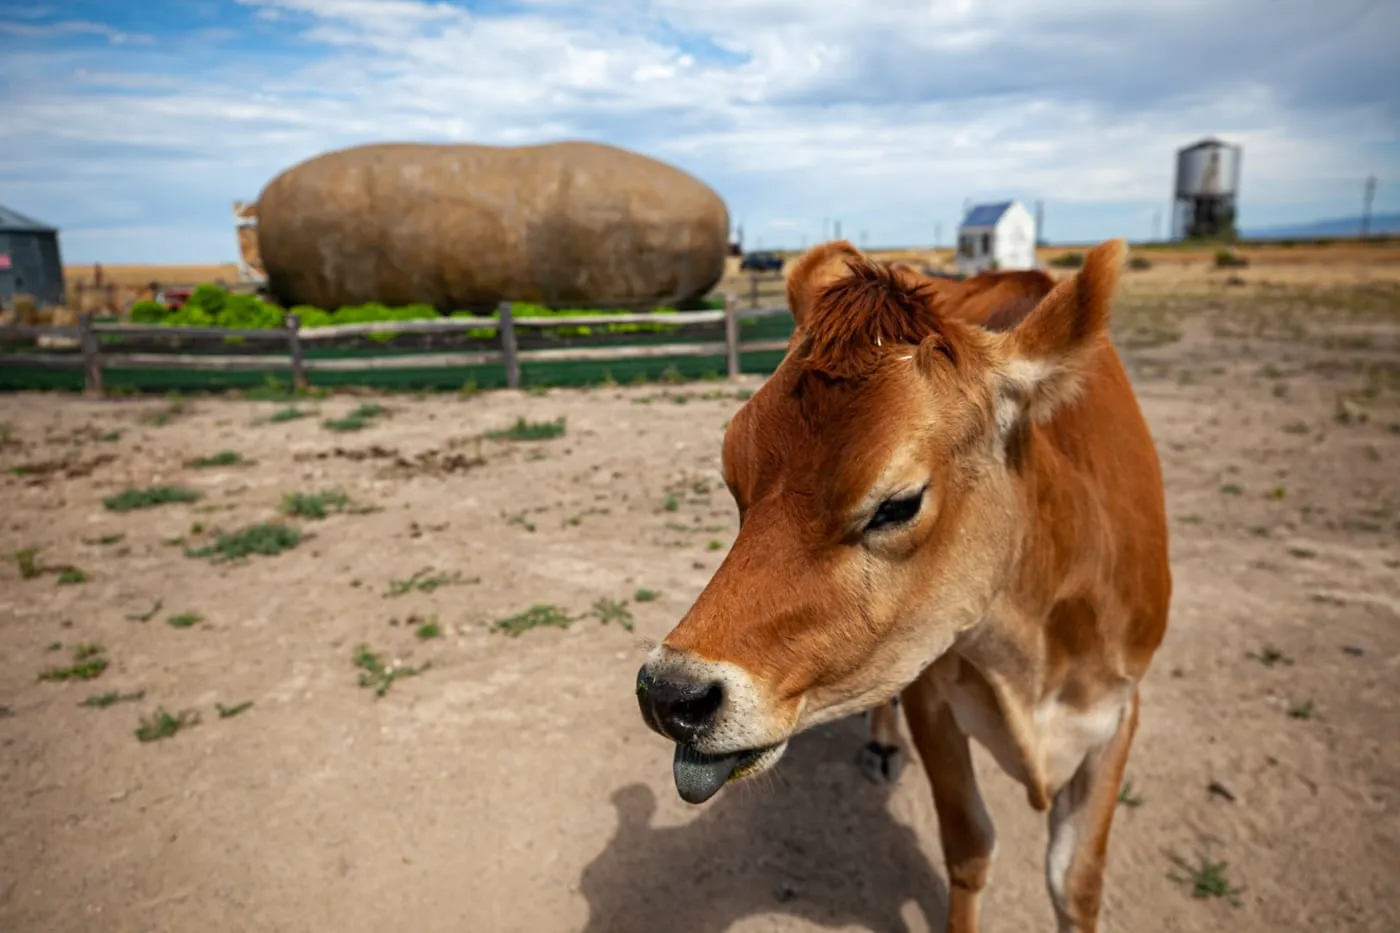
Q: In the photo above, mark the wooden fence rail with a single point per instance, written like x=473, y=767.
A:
x=84, y=339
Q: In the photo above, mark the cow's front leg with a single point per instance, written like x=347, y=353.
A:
x=964, y=826
x=1081, y=815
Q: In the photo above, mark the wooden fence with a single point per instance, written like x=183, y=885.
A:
x=83, y=344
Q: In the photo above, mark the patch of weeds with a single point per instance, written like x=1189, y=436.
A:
x=283, y=415
x=374, y=673
x=714, y=545
x=1305, y=710
x=228, y=712
x=1302, y=553
x=314, y=505
x=522, y=521
x=28, y=562
x=1269, y=656
x=429, y=629
x=537, y=616
x=524, y=430
x=223, y=458
x=145, y=616
x=1128, y=797
x=110, y=437
x=1277, y=493
x=131, y=499
x=54, y=646
x=646, y=596
x=105, y=539
x=72, y=576
x=111, y=698
x=670, y=503
x=1296, y=427
x=1231, y=489
x=610, y=610
x=184, y=620
x=358, y=419
x=425, y=581
x=163, y=725
x=1207, y=879
x=267, y=539
x=88, y=664
x=162, y=416
x=1191, y=519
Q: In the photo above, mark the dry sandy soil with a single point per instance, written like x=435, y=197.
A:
x=511, y=786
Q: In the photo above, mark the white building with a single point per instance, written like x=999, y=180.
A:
x=996, y=236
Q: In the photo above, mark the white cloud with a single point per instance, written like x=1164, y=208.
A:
x=887, y=115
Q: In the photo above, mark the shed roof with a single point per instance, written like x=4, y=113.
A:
x=986, y=215
x=12, y=221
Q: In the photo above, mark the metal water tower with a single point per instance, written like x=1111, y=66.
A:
x=1207, y=184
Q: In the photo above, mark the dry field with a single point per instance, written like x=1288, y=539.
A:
x=504, y=782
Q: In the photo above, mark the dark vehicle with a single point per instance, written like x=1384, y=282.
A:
x=762, y=262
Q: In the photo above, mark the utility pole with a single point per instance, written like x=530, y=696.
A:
x=1366, y=211
x=864, y=239
x=825, y=226
x=1157, y=225
x=836, y=233
x=1039, y=223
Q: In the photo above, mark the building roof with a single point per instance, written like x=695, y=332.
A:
x=986, y=215
x=12, y=221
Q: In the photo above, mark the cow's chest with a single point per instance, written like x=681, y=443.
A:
x=1041, y=744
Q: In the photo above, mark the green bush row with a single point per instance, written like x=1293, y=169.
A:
x=212, y=306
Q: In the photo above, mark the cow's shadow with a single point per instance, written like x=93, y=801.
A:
x=817, y=842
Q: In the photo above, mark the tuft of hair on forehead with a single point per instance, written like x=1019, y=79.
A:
x=852, y=319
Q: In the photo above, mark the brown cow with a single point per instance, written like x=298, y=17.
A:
x=965, y=509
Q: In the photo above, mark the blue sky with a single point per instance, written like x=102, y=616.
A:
x=133, y=126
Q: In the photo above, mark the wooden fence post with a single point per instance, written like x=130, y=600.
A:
x=753, y=289
x=293, y=324
x=731, y=335
x=509, y=349
x=92, y=357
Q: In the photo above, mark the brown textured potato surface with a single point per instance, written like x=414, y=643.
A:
x=459, y=226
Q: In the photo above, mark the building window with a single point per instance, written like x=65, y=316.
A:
x=986, y=243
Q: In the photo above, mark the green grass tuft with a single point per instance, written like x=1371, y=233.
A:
x=376, y=674
x=524, y=430
x=537, y=616
x=104, y=700
x=132, y=499
x=163, y=725
x=314, y=505
x=266, y=539
x=223, y=458
x=88, y=664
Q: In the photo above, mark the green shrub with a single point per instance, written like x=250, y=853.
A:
x=1068, y=261
x=208, y=298
x=245, y=312
x=212, y=306
x=147, y=311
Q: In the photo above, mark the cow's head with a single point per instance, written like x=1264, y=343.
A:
x=880, y=477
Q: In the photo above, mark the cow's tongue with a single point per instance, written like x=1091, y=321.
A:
x=699, y=776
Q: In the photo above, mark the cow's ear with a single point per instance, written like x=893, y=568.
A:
x=1042, y=362
x=821, y=265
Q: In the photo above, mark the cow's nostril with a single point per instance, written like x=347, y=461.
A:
x=680, y=710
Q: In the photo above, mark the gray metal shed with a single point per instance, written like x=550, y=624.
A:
x=29, y=259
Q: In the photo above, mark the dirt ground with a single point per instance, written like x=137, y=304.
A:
x=511, y=785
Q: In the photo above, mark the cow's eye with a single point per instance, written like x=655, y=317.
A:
x=896, y=511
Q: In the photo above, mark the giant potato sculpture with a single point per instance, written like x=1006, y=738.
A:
x=464, y=226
